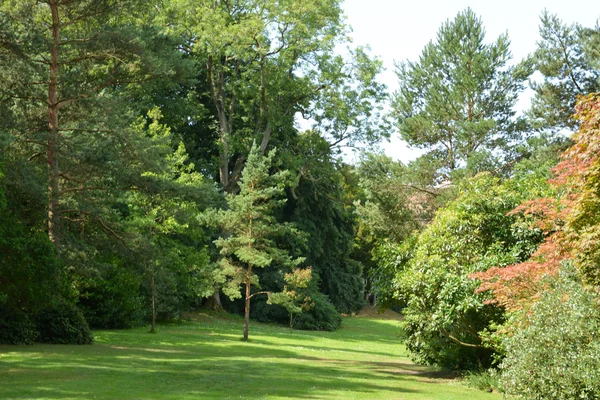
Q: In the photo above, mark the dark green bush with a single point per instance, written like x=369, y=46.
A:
x=112, y=301
x=263, y=312
x=16, y=327
x=556, y=355
x=322, y=317
x=63, y=323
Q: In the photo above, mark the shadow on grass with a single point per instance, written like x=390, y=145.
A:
x=181, y=372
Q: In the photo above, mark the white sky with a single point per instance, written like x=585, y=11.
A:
x=397, y=30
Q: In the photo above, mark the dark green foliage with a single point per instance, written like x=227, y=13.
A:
x=322, y=317
x=555, y=352
x=63, y=323
x=263, y=312
x=343, y=283
x=112, y=300
x=29, y=271
x=16, y=327
x=320, y=212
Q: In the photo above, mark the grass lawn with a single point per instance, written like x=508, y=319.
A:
x=205, y=359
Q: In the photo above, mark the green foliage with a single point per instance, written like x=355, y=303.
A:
x=457, y=100
x=483, y=380
x=63, y=323
x=555, y=352
x=251, y=230
x=250, y=224
x=16, y=327
x=294, y=297
x=322, y=316
x=444, y=317
x=567, y=58
x=30, y=272
x=321, y=208
x=392, y=259
x=111, y=300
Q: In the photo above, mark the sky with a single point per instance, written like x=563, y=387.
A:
x=397, y=30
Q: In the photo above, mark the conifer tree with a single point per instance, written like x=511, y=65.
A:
x=457, y=101
x=252, y=230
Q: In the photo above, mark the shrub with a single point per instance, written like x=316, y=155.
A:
x=556, y=354
x=322, y=317
x=16, y=327
x=63, y=323
x=482, y=380
x=112, y=301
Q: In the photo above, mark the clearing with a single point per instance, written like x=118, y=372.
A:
x=205, y=359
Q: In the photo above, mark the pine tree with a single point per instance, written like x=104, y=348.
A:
x=457, y=101
x=252, y=229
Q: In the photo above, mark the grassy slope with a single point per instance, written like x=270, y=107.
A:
x=205, y=359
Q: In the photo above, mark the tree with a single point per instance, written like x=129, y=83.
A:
x=251, y=229
x=81, y=78
x=568, y=60
x=393, y=204
x=444, y=318
x=69, y=65
x=568, y=216
x=320, y=206
x=555, y=352
x=265, y=61
x=457, y=100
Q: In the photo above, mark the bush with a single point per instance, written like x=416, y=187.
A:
x=322, y=317
x=444, y=316
x=63, y=323
x=112, y=301
x=482, y=380
x=556, y=355
x=16, y=327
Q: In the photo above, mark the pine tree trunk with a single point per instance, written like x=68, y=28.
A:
x=53, y=133
x=247, y=307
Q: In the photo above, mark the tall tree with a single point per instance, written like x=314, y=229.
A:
x=252, y=229
x=568, y=216
x=457, y=100
x=66, y=63
x=567, y=56
x=265, y=61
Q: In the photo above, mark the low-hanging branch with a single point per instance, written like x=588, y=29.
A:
x=263, y=292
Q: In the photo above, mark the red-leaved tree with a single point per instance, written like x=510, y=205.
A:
x=570, y=220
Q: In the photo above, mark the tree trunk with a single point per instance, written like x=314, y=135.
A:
x=214, y=302
x=153, y=328
x=247, y=307
x=53, y=134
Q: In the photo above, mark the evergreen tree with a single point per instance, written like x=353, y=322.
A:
x=457, y=100
x=568, y=58
x=252, y=230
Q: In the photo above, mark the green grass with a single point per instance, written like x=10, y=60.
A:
x=205, y=359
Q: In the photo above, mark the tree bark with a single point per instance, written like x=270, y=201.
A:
x=214, y=302
x=153, y=327
x=53, y=140
x=247, y=306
